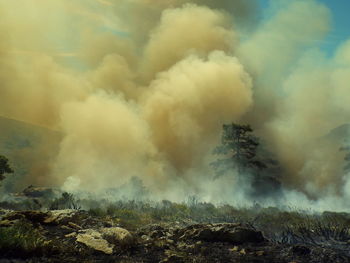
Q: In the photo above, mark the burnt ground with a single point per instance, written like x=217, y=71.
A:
x=79, y=236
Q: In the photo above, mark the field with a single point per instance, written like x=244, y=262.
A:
x=68, y=229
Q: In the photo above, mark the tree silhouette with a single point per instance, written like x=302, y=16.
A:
x=346, y=149
x=239, y=148
x=4, y=167
x=241, y=151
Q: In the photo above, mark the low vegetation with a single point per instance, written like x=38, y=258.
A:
x=159, y=226
x=280, y=226
x=21, y=239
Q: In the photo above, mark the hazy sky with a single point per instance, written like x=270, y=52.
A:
x=340, y=21
x=142, y=87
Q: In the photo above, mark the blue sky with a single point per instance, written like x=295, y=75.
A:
x=340, y=32
x=341, y=22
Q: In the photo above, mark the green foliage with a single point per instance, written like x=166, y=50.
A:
x=127, y=214
x=97, y=211
x=169, y=211
x=21, y=239
x=66, y=201
x=239, y=150
x=4, y=167
x=346, y=149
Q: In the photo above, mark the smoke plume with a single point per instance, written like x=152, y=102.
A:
x=142, y=88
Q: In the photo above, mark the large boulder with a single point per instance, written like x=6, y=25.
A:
x=117, y=236
x=93, y=239
x=61, y=216
x=105, y=239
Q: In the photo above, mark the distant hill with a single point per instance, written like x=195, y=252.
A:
x=30, y=149
x=340, y=134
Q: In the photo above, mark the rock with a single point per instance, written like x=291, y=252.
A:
x=232, y=233
x=61, y=216
x=117, y=236
x=75, y=226
x=57, y=217
x=105, y=239
x=93, y=239
x=242, y=252
x=7, y=223
x=145, y=238
x=73, y=234
x=66, y=228
x=234, y=249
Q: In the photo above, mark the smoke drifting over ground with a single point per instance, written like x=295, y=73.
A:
x=142, y=88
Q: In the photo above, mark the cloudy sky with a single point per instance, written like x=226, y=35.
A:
x=340, y=29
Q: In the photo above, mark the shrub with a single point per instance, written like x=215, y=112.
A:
x=317, y=230
x=66, y=201
x=21, y=240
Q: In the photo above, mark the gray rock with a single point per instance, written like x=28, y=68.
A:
x=105, y=239
x=61, y=216
x=93, y=239
x=117, y=236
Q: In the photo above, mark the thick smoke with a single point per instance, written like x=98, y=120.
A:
x=142, y=88
x=300, y=98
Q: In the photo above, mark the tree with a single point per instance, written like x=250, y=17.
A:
x=239, y=148
x=346, y=149
x=4, y=167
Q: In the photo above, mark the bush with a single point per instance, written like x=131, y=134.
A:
x=21, y=240
x=66, y=201
x=317, y=230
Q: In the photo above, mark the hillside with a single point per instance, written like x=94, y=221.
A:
x=30, y=150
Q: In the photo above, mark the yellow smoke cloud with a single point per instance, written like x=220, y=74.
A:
x=126, y=103
x=105, y=135
x=300, y=96
x=186, y=105
x=182, y=31
x=142, y=87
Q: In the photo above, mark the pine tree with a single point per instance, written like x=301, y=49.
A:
x=346, y=149
x=4, y=167
x=239, y=148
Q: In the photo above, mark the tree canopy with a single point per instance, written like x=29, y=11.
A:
x=346, y=149
x=4, y=167
x=239, y=150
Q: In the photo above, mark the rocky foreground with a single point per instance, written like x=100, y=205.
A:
x=71, y=236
